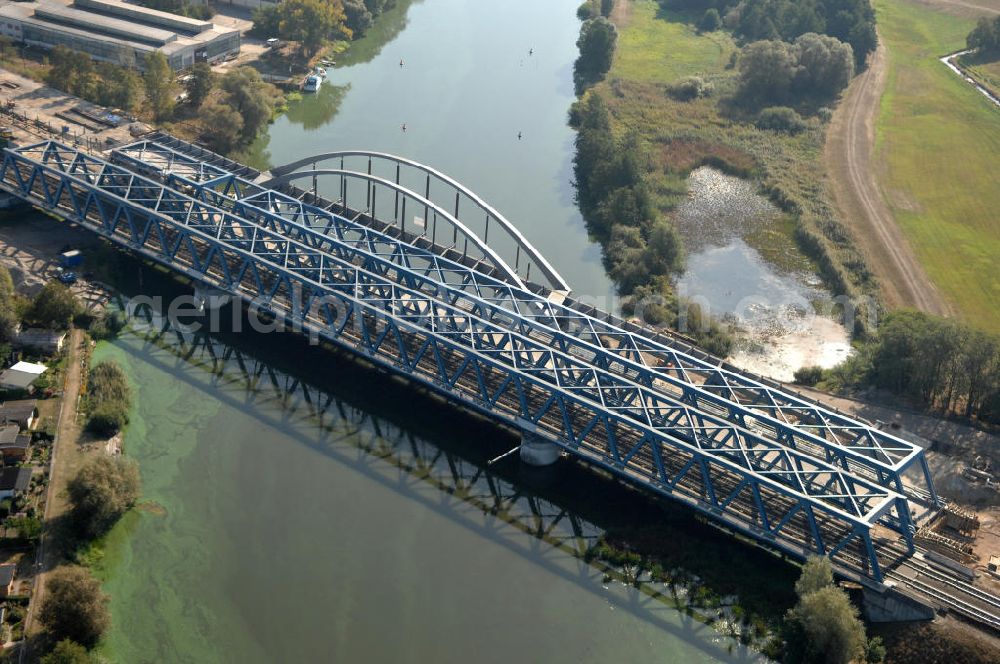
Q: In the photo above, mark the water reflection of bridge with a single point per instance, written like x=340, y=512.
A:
x=466, y=491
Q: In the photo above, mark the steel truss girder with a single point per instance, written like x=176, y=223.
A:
x=868, y=452
x=388, y=321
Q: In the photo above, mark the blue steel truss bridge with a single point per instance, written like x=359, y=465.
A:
x=412, y=271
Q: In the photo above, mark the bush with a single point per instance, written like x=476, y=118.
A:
x=75, y=607
x=690, y=88
x=28, y=527
x=107, y=326
x=808, y=376
x=102, y=491
x=109, y=399
x=68, y=652
x=781, y=118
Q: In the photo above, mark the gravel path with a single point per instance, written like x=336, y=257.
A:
x=849, y=155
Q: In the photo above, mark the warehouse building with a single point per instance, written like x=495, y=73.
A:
x=116, y=32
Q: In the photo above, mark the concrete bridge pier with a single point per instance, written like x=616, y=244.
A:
x=537, y=451
x=893, y=606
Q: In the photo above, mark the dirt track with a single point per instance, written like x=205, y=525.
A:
x=849, y=155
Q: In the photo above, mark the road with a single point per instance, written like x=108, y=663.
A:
x=849, y=154
x=67, y=431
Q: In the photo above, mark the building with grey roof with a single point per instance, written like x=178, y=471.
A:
x=117, y=32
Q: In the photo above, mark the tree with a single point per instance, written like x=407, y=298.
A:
x=824, y=627
x=117, y=87
x=710, y=21
x=664, y=254
x=9, y=318
x=63, y=71
x=767, y=69
x=224, y=127
x=250, y=96
x=825, y=65
x=597, y=47
x=199, y=84
x=312, y=22
x=74, y=607
x=54, y=306
x=68, y=652
x=102, y=491
x=815, y=67
x=267, y=21
x=159, y=79
x=357, y=17
x=816, y=574
x=985, y=36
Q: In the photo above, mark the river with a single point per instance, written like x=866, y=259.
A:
x=271, y=534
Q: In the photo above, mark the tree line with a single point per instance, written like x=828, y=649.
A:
x=596, y=44
x=849, y=21
x=985, y=37
x=938, y=363
x=312, y=23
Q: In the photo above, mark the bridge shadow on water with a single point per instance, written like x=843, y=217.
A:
x=382, y=427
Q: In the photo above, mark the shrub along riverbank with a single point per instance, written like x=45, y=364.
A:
x=681, y=98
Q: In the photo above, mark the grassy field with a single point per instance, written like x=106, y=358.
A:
x=939, y=140
x=658, y=48
x=654, y=48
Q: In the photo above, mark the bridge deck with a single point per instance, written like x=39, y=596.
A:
x=780, y=470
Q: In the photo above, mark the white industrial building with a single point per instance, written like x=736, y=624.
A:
x=117, y=32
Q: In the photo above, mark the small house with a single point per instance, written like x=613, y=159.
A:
x=47, y=341
x=15, y=450
x=22, y=412
x=12, y=379
x=14, y=480
x=21, y=375
x=7, y=572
